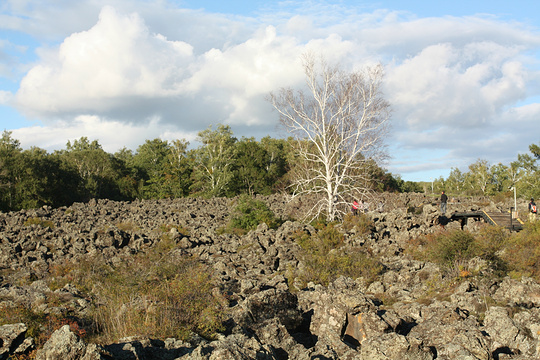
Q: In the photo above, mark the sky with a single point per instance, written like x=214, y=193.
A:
x=462, y=77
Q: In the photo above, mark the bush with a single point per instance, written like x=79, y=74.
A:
x=490, y=240
x=326, y=239
x=38, y=221
x=249, y=213
x=522, y=252
x=454, y=249
x=444, y=248
x=362, y=223
x=325, y=258
x=40, y=326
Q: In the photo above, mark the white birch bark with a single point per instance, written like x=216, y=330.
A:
x=339, y=124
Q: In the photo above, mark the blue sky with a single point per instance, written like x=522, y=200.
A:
x=463, y=77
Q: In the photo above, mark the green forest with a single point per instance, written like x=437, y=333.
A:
x=221, y=166
x=484, y=179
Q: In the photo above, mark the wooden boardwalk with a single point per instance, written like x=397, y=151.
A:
x=493, y=218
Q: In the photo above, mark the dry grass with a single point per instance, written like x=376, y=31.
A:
x=157, y=294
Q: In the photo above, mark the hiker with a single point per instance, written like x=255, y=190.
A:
x=444, y=200
x=355, y=206
x=532, y=210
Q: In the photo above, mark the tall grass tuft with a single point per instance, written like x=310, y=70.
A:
x=172, y=297
x=156, y=294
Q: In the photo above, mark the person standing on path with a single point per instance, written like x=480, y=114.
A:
x=532, y=210
x=444, y=200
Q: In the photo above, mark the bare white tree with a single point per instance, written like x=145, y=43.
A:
x=339, y=124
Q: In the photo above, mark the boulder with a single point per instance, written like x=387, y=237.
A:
x=64, y=344
x=450, y=333
x=12, y=340
x=524, y=292
x=509, y=335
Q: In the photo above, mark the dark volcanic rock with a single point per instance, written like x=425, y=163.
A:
x=270, y=318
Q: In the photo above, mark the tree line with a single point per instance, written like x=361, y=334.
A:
x=482, y=178
x=221, y=166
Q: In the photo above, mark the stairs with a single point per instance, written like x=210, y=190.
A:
x=503, y=219
x=493, y=218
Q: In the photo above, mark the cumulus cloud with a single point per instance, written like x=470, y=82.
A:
x=238, y=78
x=98, y=69
x=119, y=69
x=462, y=97
x=468, y=84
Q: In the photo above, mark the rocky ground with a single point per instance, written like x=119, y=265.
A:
x=271, y=318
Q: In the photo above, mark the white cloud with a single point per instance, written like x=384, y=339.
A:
x=97, y=69
x=256, y=66
x=448, y=86
x=237, y=79
x=5, y=97
x=111, y=135
x=119, y=69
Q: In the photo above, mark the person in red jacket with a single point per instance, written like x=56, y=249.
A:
x=355, y=206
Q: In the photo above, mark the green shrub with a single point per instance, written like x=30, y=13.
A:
x=326, y=239
x=445, y=247
x=415, y=210
x=490, y=240
x=319, y=222
x=325, y=258
x=249, y=213
x=453, y=249
x=522, y=252
x=457, y=245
